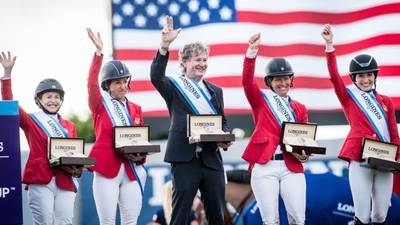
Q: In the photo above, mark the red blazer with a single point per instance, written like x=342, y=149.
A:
x=107, y=161
x=267, y=132
x=360, y=126
x=37, y=169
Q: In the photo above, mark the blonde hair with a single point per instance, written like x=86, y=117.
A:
x=190, y=50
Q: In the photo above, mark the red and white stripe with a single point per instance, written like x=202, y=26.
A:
x=289, y=29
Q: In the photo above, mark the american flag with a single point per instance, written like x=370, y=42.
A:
x=289, y=29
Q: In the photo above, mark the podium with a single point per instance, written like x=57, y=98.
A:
x=10, y=165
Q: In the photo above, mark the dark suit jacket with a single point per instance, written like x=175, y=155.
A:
x=178, y=147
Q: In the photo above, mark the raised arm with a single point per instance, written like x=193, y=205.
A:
x=338, y=84
x=168, y=35
x=93, y=79
x=251, y=89
x=159, y=64
x=8, y=62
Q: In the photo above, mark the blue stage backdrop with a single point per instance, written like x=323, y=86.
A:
x=10, y=165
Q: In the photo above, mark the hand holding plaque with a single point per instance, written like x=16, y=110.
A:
x=132, y=140
x=380, y=155
x=297, y=137
x=75, y=171
x=68, y=152
x=207, y=128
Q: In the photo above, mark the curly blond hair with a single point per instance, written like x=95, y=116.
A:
x=191, y=50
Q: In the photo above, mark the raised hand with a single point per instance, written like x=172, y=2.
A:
x=255, y=40
x=168, y=34
x=8, y=63
x=327, y=34
x=96, y=39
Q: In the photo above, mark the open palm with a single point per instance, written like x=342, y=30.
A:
x=7, y=61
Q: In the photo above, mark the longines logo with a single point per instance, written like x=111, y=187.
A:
x=345, y=208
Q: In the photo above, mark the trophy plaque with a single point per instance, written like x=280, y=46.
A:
x=68, y=152
x=133, y=139
x=207, y=128
x=380, y=155
x=300, y=136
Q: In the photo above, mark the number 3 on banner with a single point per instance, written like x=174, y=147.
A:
x=1, y=146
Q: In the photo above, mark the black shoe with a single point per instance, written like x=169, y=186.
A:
x=383, y=223
x=358, y=222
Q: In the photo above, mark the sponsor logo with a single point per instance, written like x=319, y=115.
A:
x=370, y=105
x=5, y=191
x=54, y=128
x=190, y=87
x=281, y=108
x=119, y=112
x=345, y=208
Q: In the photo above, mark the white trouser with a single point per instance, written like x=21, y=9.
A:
x=50, y=204
x=271, y=179
x=370, y=186
x=119, y=190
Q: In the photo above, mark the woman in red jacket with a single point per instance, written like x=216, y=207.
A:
x=370, y=115
x=116, y=179
x=51, y=192
x=274, y=171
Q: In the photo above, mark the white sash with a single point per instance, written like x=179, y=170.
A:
x=279, y=107
x=49, y=125
x=117, y=111
x=194, y=95
x=372, y=110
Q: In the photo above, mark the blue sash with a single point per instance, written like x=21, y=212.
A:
x=116, y=110
x=194, y=95
x=279, y=107
x=50, y=126
x=368, y=104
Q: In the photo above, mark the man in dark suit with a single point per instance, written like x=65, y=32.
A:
x=194, y=166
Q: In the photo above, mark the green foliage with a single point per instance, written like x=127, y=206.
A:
x=84, y=128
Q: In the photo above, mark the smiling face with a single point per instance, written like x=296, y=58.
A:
x=119, y=88
x=51, y=101
x=365, y=81
x=196, y=66
x=281, y=85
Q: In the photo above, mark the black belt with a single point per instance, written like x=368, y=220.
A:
x=277, y=157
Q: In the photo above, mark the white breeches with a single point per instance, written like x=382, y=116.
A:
x=370, y=189
x=50, y=204
x=122, y=191
x=271, y=179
